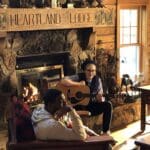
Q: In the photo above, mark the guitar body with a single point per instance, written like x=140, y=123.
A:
x=76, y=95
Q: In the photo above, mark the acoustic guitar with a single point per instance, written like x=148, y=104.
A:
x=80, y=95
x=76, y=95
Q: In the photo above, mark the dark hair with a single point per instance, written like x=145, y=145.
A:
x=51, y=96
x=87, y=62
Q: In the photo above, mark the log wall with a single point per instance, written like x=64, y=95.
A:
x=146, y=65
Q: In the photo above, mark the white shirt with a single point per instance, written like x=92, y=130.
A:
x=46, y=127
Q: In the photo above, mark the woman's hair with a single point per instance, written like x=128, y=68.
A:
x=51, y=95
x=87, y=62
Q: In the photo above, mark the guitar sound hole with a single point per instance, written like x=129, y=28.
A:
x=79, y=95
x=73, y=100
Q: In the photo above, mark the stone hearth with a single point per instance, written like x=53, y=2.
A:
x=122, y=116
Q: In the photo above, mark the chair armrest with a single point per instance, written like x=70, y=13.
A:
x=92, y=142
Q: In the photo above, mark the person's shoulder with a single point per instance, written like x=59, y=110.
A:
x=97, y=77
x=40, y=106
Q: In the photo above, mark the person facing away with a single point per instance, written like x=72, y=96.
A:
x=46, y=119
x=19, y=120
x=97, y=104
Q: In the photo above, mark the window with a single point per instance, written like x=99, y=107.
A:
x=128, y=26
x=129, y=42
x=129, y=60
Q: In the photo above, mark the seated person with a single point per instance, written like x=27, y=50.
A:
x=47, y=119
x=97, y=104
x=19, y=120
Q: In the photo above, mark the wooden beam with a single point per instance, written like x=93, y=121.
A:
x=106, y=38
x=135, y=2
x=3, y=34
x=44, y=19
x=110, y=2
x=105, y=31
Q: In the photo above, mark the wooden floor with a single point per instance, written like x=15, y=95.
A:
x=125, y=137
x=3, y=139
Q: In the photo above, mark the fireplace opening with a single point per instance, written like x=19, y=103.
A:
x=37, y=59
x=33, y=82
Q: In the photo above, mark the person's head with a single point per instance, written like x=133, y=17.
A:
x=53, y=100
x=89, y=67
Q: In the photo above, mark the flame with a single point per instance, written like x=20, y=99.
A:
x=30, y=93
x=34, y=89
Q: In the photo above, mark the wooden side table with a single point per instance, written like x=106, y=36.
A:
x=145, y=99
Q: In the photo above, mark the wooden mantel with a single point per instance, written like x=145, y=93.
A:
x=59, y=18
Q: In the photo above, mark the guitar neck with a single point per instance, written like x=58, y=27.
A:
x=80, y=95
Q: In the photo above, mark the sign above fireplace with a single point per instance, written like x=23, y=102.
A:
x=44, y=19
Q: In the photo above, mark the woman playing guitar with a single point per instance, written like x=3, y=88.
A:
x=97, y=104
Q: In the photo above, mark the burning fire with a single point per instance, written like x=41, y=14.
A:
x=30, y=93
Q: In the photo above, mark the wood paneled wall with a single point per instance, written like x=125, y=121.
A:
x=110, y=2
x=106, y=36
x=134, y=2
x=147, y=53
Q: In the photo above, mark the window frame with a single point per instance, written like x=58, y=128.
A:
x=139, y=34
x=138, y=26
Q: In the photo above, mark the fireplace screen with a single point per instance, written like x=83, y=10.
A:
x=33, y=82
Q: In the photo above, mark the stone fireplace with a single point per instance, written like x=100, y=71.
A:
x=45, y=37
x=51, y=48
x=35, y=69
x=55, y=52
